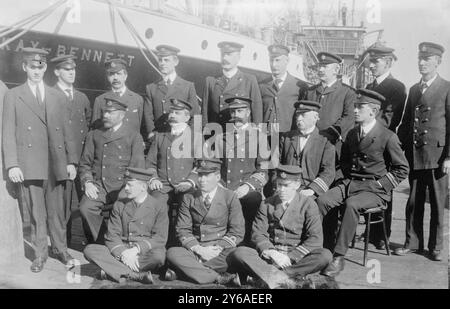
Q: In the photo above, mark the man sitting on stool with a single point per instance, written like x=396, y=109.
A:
x=373, y=164
x=137, y=233
x=287, y=233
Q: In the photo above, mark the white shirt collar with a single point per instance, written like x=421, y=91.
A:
x=366, y=128
x=243, y=128
x=120, y=91
x=116, y=127
x=330, y=84
x=211, y=194
x=231, y=73
x=430, y=81
x=170, y=77
x=64, y=88
x=381, y=78
x=33, y=88
x=178, y=128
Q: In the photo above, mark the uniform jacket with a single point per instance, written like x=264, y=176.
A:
x=217, y=91
x=317, y=159
x=222, y=224
x=80, y=113
x=392, y=109
x=337, y=108
x=157, y=102
x=36, y=138
x=298, y=228
x=170, y=167
x=241, y=159
x=278, y=106
x=146, y=225
x=425, y=128
x=106, y=155
x=378, y=156
x=133, y=117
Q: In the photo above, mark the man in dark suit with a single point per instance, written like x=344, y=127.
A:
x=170, y=86
x=381, y=59
x=39, y=155
x=281, y=91
x=172, y=155
x=116, y=70
x=373, y=164
x=243, y=166
x=232, y=83
x=210, y=225
x=287, y=233
x=425, y=135
x=336, y=114
x=79, y=117
x=107, y=152
x=137, y=233
x=306, y=148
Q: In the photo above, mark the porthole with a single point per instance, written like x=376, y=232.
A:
x=255, y=55
x=149, y=33
x=204, y=44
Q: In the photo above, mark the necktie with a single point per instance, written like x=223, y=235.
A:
x=38, y=96
x=362, y=134
x=277, y=83
x=69, y=92
x=423, y=87
x=207, y=201
x=375, y=84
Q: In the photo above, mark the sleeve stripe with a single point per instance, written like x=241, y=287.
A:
x=302, y=250
x=148, y=243
x=392, y=179
x=250, y=185
x=187, y=239
x=321, y=184
x=229, y=240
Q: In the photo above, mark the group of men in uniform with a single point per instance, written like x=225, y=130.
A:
x=229, y=215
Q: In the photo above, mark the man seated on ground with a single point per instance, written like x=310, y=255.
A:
x=210, y=225
x=137, y=233
x=287, y=233
x=373, y=164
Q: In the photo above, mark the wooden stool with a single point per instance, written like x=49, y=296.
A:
x=368, y=213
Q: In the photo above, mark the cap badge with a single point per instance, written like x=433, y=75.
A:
x=109, y=103
x=323, y=57
x=202, y=163
x=283, y=175
x=127, y=173
x=113, y=65
x=424, y=48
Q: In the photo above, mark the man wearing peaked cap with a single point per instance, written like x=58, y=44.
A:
x=170, y=86
x=210, y=226
x=287, y=235
x=137, y=233
x=373, y=164
x=381, y=59
x=336, y=100
x=280, y=91
x=108, y=150
x=306, y=148
x=172, y=154
x=242, y=169
x=232, y=83
x=79, y=118
x=39, y=155
x=116, y=73
x=425, y=136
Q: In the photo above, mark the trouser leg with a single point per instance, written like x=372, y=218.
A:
x=58, y=215
x=315, y=261
x=438, y=183
x=34, y=200
x=101, y=256
x=153, y=260
x=350, y=219
x=250, y=204
x=414, y=210
x=91, y=212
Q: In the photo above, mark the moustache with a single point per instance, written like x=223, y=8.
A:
x=171, y=120
x=236, y=119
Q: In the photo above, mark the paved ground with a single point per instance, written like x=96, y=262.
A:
x=383, y=272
